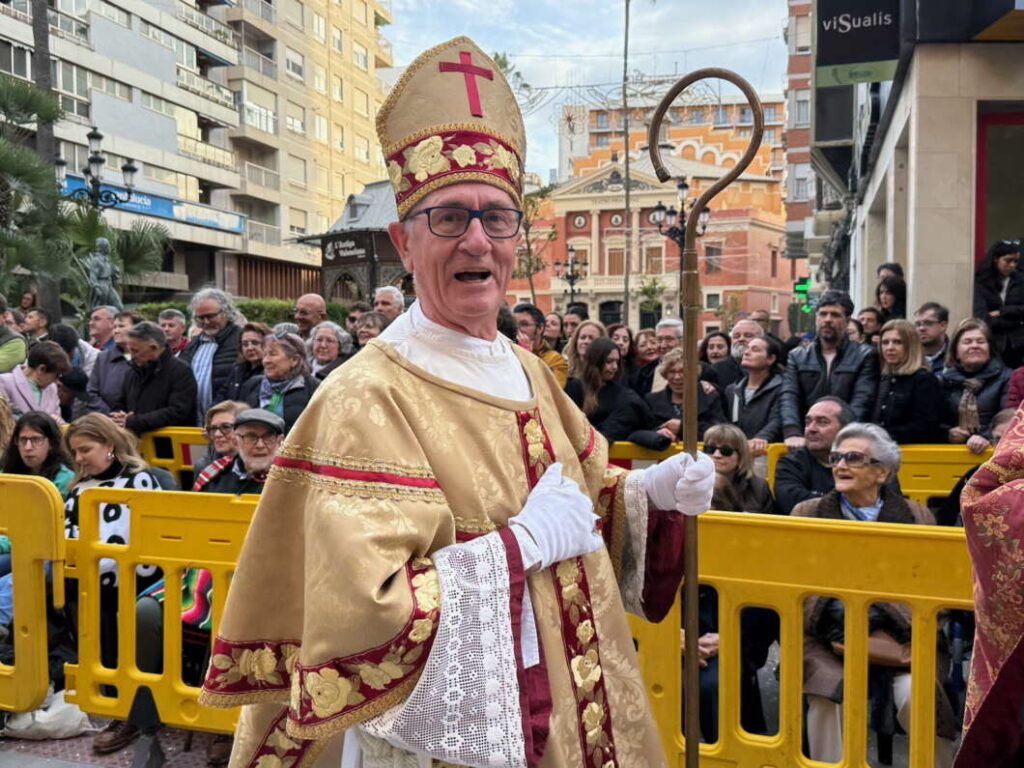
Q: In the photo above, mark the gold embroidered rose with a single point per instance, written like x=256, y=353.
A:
x=378, y=676
x=585, y=631
x=270, y=761
x=586, y=671
x=425, y=159
x=464, y=155
x=568, y=572
x=428, y=593
x=328, y=690
x=593, y=717
x=398, y=182
x=421, y=630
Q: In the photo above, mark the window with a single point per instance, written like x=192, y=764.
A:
x=337, y=89
x=115, y=14
x=653, y=258
x=713, y=301
x=771, y=136
x=697, y=116
x=339, y=137
x=744, y=133
x=362, y=102
x=296, y=170
x=72, y=84
x=800, y=180
x=295, y=63
x=362, y=148
x=713, y=258
x=775, y=262
x=746, y=116
x=769, y=114
x=320, y=128
x=295, y=12
x=319, y=27
x=802, y=110
x=775, y=303
x=319, y=78
x=295, y=118
x=338, y=184
x=601, y=141
x=721, y=116
x=602, y=120
x=14, y=59
x=337, y=40
x=323, y=181
x=258, y=117
x=802, y=34
x=297, y=221
x=359, y=11
x=616, y=261
x=359, y=56
x=110, y=86
x=184, y=53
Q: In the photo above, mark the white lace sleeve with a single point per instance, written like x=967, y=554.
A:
x=634, y=555
x=466, y=706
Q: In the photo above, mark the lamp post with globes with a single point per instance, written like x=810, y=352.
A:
x=93, y=192
x=685, y=234
x=572, y=270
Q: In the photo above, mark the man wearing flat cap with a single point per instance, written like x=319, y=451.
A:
x=452, y=555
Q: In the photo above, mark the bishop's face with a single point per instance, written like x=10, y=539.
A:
x=460, y=281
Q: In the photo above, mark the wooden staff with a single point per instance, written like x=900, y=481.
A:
x=691, y=299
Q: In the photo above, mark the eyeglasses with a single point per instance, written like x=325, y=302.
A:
x=34, y=440
x=250, y=440
x=925, y=323
x=449, y=221
x=208, y=316
x=1009, y=242
x=222, y=428
x=853, y=459
x=725, y=450
x=252, y=342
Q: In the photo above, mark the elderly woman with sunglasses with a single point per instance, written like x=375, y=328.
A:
x=285, y=386
x=863, y=459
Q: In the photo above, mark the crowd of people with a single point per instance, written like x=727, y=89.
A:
x=842, y=399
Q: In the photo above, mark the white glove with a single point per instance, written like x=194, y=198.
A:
x=681, y=483
x=558, y=521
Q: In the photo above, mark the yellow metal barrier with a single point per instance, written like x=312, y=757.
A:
x=175, y=449
x=32, y=515
x=175, y=531
x=773, y=562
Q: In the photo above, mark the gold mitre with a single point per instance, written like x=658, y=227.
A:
x=451, y=118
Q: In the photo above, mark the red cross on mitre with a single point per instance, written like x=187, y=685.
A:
x=470, y=72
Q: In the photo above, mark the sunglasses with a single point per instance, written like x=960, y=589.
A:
x=725, y=450
x=852, y=458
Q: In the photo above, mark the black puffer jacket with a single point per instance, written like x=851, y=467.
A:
x=662, y=409
x=619, y=413
x=996, y=378
x=853, y=377
x=1008, y=325
x=224, y=358
x=240, y=373
x=910, y=407
x=158, y=394
x=759, y=417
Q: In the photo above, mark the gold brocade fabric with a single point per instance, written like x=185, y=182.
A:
x=332, y=610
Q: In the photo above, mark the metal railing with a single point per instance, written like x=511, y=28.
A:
x=255, y=60
x=262, y=9
x=217, y=29
x=265, y=177
x=258, y=232
x=206, y=153
x=202, y=86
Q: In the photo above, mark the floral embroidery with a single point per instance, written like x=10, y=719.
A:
x=537, y=450
x=421, y=630
x=593, y=719
x=464, y=155
x=586, y=670
x=425, y=159
x=329, y=691
x=256, y=665
x=585, y=631
x=278, y=750
x=991, y=528
x=498, y=156
x=398, y=181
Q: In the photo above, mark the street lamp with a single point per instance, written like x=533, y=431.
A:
x=572, y=270
x=684, y=232
x=93, y=192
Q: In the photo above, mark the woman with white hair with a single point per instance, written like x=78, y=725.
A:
x=329, y=345
x=863, y=459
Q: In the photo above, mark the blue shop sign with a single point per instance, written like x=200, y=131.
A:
x=184, y=211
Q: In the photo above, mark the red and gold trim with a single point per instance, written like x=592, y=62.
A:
x=538, y=454
x=611, y=506
x=279, y=750
x=360, y=480
x=588, y=449
x=439, y=159
x=331, y=696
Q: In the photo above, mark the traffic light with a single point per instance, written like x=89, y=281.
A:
x=801, y=287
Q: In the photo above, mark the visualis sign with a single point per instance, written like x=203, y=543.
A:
x=858, y=41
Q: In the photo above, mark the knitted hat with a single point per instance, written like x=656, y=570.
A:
x=451, y=118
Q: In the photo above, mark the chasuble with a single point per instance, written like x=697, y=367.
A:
x=380, y=591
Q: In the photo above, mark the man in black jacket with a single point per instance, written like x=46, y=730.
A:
x=213, y=352
x=158, y=390
x=832, y=365
x=805, y=473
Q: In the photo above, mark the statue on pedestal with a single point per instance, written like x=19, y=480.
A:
x=103, y=274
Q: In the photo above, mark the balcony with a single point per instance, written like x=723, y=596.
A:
x=267, y=234
x=69, y=27
x=257, y=124
x=264, y=177
x=253, y=59
x=383, y=55
x=206, y=153
x=216, y=29
x=201, y=86
x=262, y=9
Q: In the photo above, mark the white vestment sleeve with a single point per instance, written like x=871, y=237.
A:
x=465, y=707
x=634, y=556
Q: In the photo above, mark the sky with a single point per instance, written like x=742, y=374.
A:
x=562, y=45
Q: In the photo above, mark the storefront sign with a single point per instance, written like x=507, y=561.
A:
x=167, y=208
x=858, y=41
